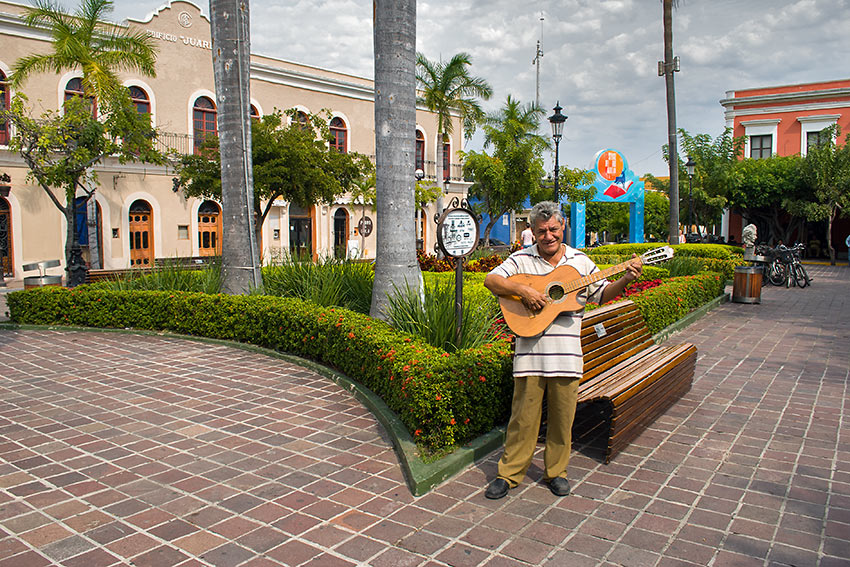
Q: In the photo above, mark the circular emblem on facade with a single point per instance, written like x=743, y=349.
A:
x=365, y=226
x=185, y=19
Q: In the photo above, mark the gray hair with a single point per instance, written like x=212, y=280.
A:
x=545, y=210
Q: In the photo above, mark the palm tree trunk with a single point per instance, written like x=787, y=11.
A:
x=672, y=142
x=395, y=126
x=231, y=62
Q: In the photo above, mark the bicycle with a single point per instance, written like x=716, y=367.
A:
x=788, y=264
x=797, y=271
x=773, y=269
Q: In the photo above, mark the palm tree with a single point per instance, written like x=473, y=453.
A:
x=395, y=125
x=87, y=42
x=513, y=123
x=448, y=89
x=231, y=63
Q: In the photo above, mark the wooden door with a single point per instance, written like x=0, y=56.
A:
x=141, y=235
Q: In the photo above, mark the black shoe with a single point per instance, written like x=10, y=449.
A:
x=559, y=486
x=497, y=489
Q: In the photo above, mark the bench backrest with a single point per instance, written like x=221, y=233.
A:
x=611, y=334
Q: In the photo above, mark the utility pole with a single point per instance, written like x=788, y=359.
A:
x=666, y=69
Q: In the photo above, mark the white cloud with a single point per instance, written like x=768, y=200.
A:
x=600, y=56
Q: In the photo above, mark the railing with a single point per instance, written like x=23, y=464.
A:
x=430, y=169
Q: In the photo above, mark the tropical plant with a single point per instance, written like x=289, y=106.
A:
x=826, y=171
x=171, y=276
x=434, y=319
x=395, y=120
x=231, y=65
x=61, y=148
x=449, y=89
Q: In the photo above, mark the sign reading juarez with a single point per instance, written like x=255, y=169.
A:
x=457, y=232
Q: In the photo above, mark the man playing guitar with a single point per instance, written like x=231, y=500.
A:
x=549, y=362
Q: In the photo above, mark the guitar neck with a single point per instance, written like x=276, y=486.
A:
x=595, y=277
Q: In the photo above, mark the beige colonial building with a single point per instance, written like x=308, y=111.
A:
x=136, y=216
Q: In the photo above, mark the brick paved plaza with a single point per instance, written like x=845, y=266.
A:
x=120, y=448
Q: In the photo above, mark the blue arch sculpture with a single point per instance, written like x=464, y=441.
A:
x=614, y=183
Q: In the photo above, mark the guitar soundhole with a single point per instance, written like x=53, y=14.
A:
x=556, y=292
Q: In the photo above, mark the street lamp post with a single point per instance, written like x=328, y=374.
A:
x=690, y=165
x=557, y=120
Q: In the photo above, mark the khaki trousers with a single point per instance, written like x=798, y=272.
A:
x=524, y=426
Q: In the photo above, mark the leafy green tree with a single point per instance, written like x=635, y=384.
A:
x=84, y=40
x=61, y=148
x=448, y=89
x=290, y=162
x=714, y=160
x=656, y=213
x=504, y=180
x=759, y=190
x=826, y=172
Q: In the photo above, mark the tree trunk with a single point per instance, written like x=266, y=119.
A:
x=231, y=62
x=830, y=218
x=395, y=127
x=672, y=142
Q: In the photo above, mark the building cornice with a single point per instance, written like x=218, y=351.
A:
x=299, y=80
x=786, y=97
x=732, y=113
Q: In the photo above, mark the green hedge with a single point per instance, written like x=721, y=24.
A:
x=443, y=399
x=721, y=251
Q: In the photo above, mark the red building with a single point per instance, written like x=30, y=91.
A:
x=787, y=120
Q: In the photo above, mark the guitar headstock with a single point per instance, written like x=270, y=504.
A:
x=657, y=255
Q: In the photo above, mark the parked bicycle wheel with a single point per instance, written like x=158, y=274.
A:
x=801, y=278
x=776, y=272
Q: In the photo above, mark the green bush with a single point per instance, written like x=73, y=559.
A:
x=624, y=251
x=171, y=276
x=329, y=283
x=443, y=399
x=433, y=316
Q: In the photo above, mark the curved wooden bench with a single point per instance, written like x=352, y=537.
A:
x=632, y=378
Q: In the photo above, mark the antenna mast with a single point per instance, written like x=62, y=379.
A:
x=536, y=61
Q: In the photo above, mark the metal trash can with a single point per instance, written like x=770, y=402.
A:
x=41, y=279
x=746, y=285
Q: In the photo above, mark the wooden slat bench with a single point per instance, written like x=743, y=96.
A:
x=628, y=380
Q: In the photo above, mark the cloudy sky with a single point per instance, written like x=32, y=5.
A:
x=599, y=56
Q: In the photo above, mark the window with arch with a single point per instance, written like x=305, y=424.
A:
x=254, y=113
x=302, y=119
x=420, y=150
x=140, y=99
x=447, y=161
x=74, y=88
x=203, y=121
x=4, y=104
x=339, y=135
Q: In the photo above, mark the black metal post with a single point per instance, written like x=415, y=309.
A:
x=458, y=299
x=557, y=188
x=690, y=202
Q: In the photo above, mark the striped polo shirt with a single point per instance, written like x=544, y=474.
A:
x=557, y=351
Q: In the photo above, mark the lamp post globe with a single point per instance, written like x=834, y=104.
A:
x=690, y=166
x=557, y=121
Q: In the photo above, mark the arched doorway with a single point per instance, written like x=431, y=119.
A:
x=209, y=229
x=89, y=223
x=300, y=232
x=141, y=234
x=340, y=233
x=6, y=262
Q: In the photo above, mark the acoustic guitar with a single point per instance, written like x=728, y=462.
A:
x=560, y=287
